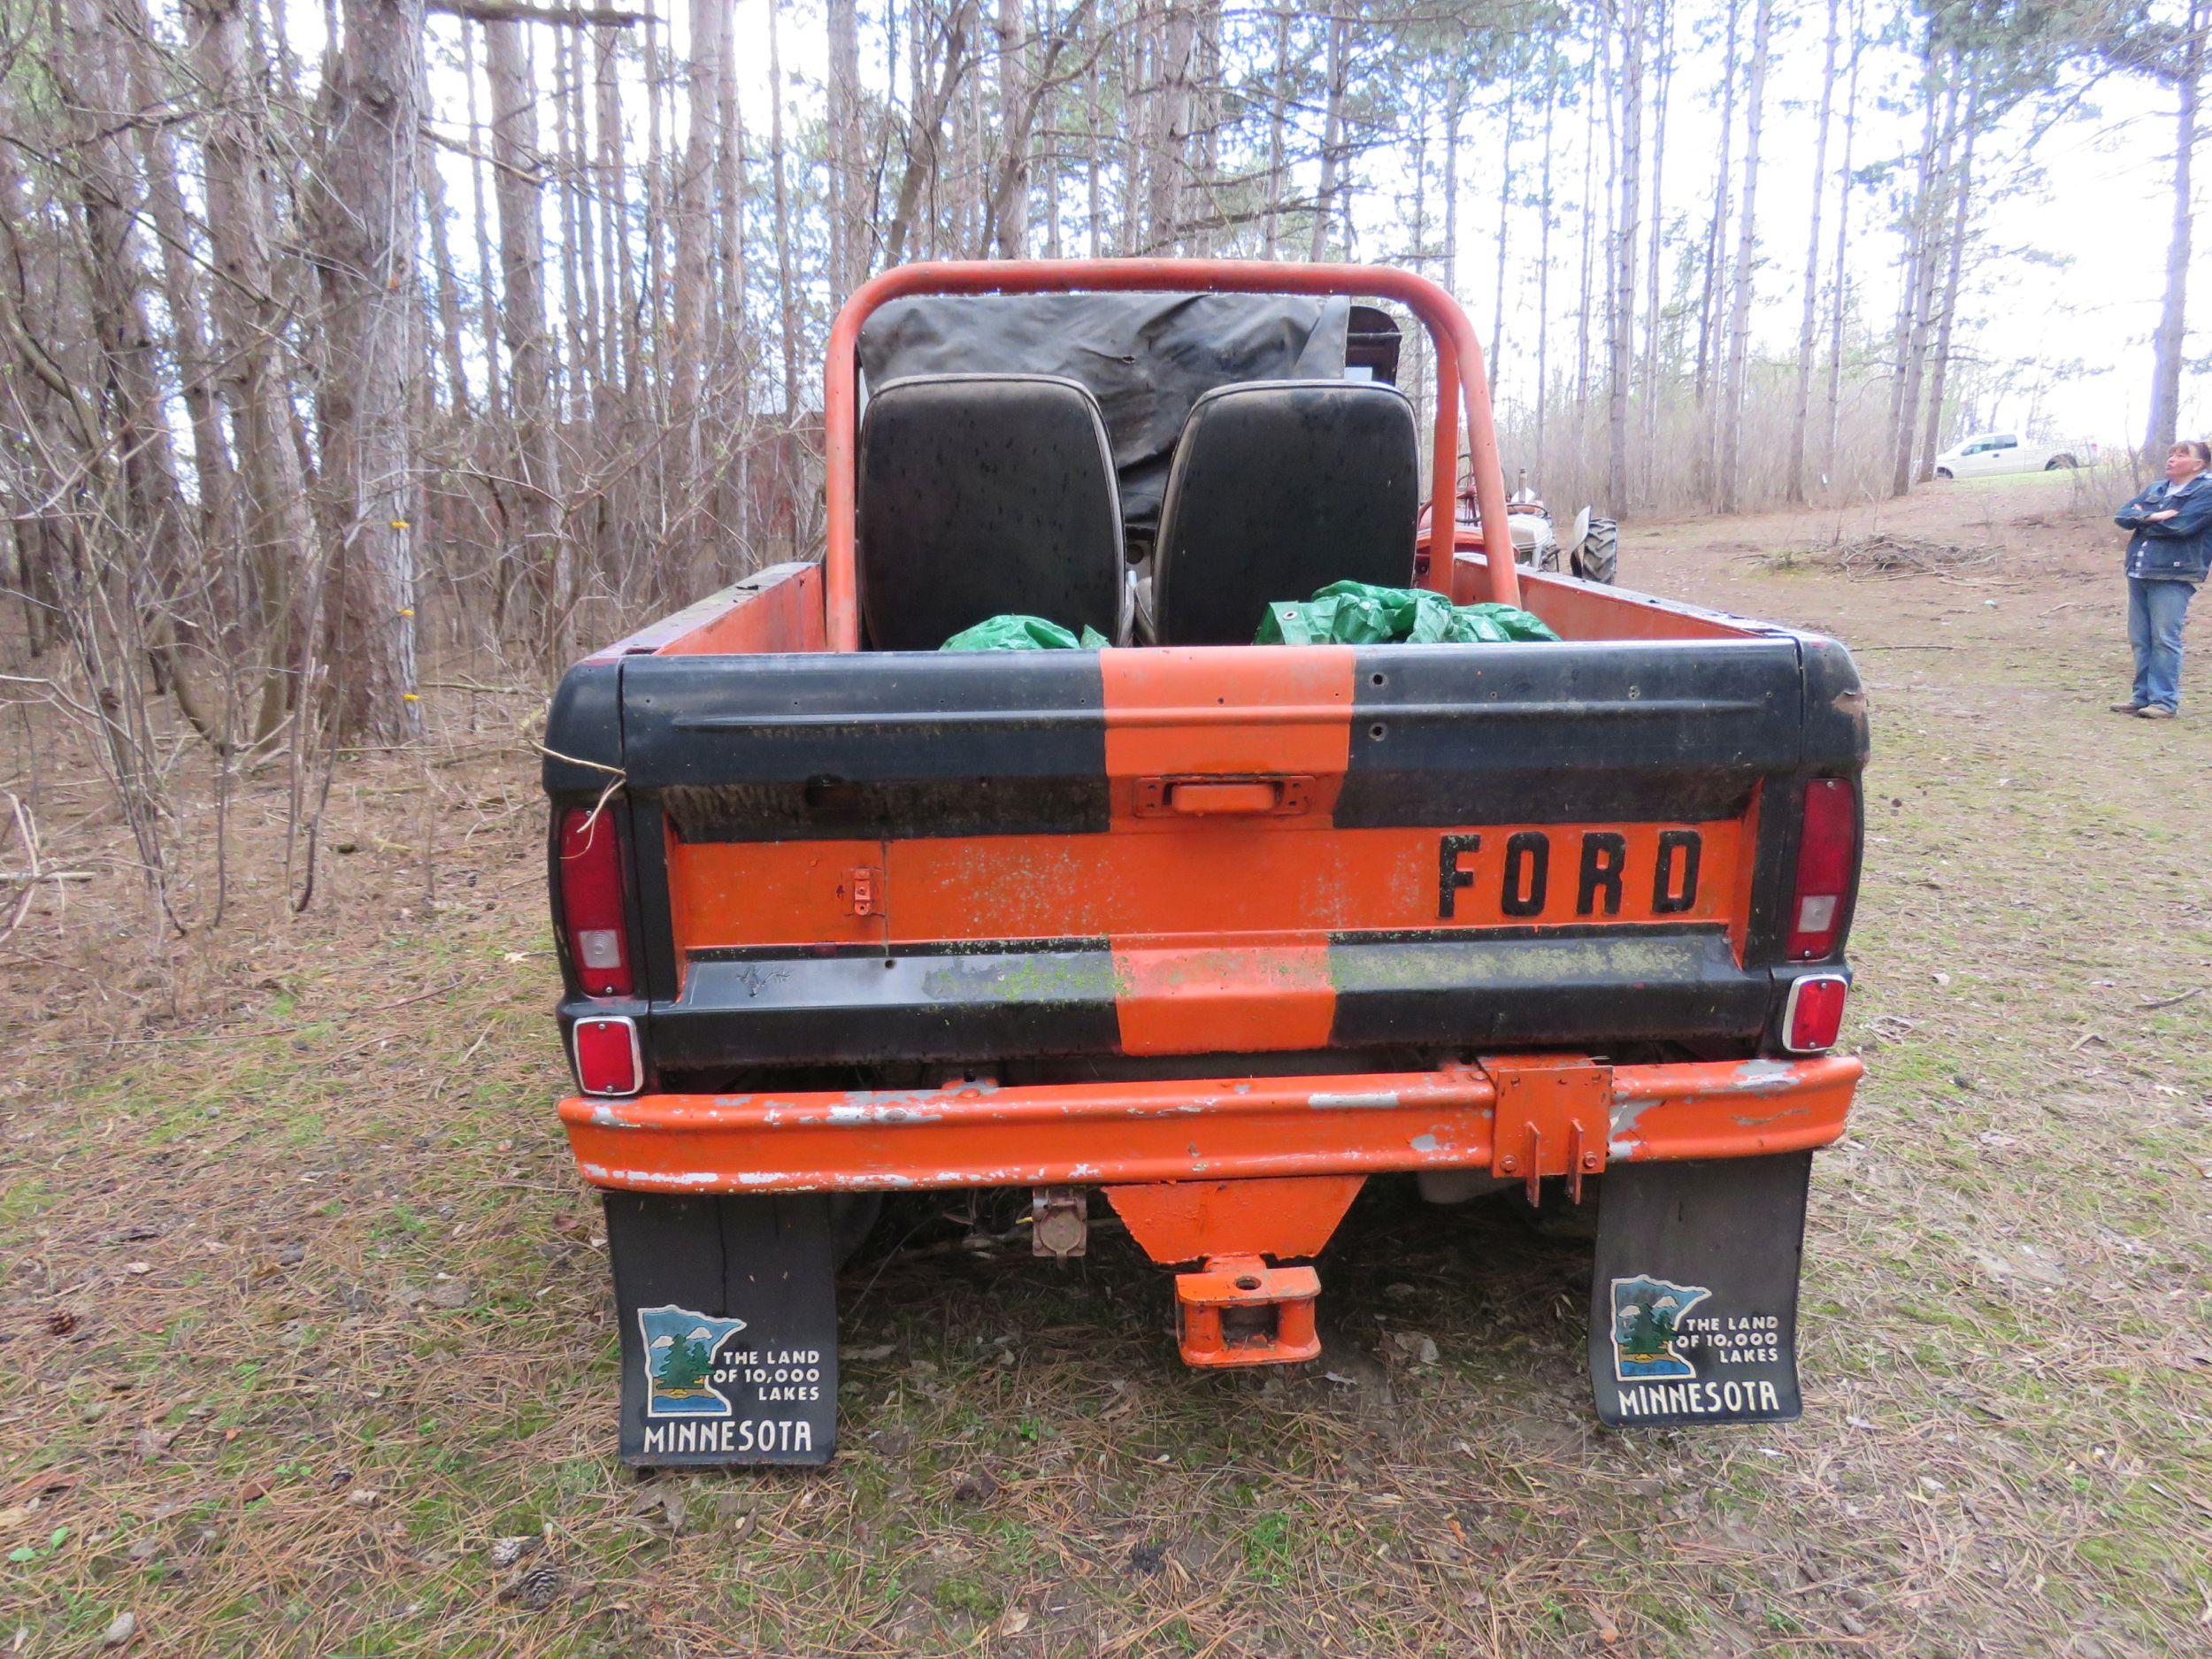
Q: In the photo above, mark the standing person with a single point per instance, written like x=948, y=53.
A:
x=2168, y=553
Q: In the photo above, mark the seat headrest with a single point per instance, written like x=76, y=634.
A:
x=981, y=495
x=1280, y=488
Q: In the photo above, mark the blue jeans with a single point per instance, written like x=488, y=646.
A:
x=2155, y=610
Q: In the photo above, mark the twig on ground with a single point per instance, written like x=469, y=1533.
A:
x=2170, y=1002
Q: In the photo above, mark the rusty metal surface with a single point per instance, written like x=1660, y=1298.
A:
x=980, y=1134
x=1059, y=1220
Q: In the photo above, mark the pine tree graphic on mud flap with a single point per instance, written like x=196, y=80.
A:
x=1648, y=1313
x=681, y=1349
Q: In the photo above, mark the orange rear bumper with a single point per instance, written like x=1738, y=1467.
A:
x=1564, y=1116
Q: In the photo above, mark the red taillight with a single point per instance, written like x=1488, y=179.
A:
x=607, y=1058
x=1824, y=851
x=591, y=903
x=1814, y=1014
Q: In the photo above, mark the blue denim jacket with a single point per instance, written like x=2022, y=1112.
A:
x=2179, y=549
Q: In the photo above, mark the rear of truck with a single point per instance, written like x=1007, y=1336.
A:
x=1214, y=934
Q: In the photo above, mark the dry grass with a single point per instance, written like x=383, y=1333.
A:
x=304, y=1309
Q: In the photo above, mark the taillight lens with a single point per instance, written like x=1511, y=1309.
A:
x=591, y=903
x=1824, y=851
x=607, y=1059
x=1813, y=1016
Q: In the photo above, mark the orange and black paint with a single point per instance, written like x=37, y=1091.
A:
x=1221, y=932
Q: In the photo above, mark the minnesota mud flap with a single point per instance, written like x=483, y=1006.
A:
x=728, y=1311
x=1693, y=1304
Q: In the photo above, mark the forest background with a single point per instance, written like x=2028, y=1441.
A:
x=393, y=346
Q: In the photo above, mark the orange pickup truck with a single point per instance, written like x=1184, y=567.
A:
x=1209, y=931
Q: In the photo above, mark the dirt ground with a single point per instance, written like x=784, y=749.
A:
x=305, y=1310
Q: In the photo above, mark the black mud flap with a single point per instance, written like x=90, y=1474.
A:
x=1694, y=1306
x=728, y=1308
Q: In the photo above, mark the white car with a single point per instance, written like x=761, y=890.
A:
x=2008, y=452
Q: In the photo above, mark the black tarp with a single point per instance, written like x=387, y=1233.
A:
x=1146, y=357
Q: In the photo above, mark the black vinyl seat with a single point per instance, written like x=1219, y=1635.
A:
x=981, y=494
x=1280, y=488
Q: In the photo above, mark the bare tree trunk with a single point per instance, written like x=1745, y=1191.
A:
x=1045, y=125
x=621, y=285
x=1013, y=210
x=1926, y=256
x=249, y=316
x=727, y=330
x=446, y=298
x=1841, y=282
x=847, y=165
x=91, y=84
x=1543, y=252
x=1807, y=322
x=1202, y=206
x=1715, y=245
x=570, y=341
x=366, y=237
x=1662, y=35
x=1170, y=161
x=694, y=303
x=1278, y=109
x=786, y=292
x=655, y=319
x=164, y=205
x=1505, y=237
x=487, y=319
x=1621, y=318
x=577, y=183
x=2168, y=343
x=519, y=167
x=1332, y=131
x=1956, y=263
x=1135, y=112
x=1094, y=157
x=1589, y=227
x=1746, y=267
x=925, y=128
x=1454, y=118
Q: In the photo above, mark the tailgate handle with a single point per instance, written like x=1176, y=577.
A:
x=1249, y=797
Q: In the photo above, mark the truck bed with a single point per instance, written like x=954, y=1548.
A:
x=853, y=866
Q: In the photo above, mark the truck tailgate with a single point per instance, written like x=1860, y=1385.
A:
x=854, y=857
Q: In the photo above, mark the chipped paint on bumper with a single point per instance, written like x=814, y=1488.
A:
x=981, y=1134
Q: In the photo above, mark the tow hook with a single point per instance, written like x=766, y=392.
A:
x=1237, y=1311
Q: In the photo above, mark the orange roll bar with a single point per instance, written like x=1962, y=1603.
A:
x=1460, y=377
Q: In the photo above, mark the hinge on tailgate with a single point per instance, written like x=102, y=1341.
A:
x=1554, y=1117
x=863, y=885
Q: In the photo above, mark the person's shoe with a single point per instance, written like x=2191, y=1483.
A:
x=2153, y=711
x=2127, y=708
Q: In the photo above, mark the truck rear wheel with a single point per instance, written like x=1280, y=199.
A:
x=2058, y=460
x=1599, y=557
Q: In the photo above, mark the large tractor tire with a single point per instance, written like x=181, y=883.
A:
x=1599, y=557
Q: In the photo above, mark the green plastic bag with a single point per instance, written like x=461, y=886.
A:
x=1358, y=613
x=1023, y=634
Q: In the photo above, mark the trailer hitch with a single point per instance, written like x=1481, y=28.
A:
x=1237, y=1311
